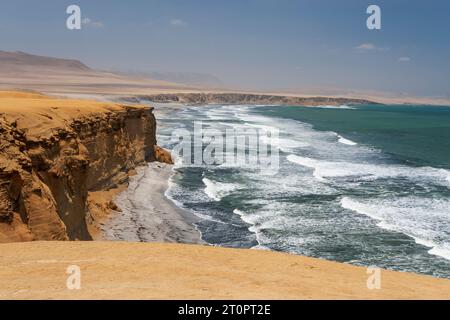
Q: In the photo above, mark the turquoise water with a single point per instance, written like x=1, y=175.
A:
x=367, y=185
x=418, y=135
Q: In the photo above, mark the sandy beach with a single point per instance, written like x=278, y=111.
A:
x=163, y=221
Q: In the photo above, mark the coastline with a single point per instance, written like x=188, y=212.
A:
x=220, y=218
x=130, y=270
x=165, y=222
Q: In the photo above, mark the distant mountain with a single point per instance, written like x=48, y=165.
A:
x=186, y=78
x=20, y=70
x=19, y=61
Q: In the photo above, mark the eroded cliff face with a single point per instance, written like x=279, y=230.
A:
x=47, y=171
x=245, y=98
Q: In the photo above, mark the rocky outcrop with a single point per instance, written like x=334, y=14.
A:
x=244, y=98
x=162, y=155
x=45, y=179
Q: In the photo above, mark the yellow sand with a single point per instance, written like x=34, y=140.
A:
x=172, y=271
x=38, y=113
x=16, y=102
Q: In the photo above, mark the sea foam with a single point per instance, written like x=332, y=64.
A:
x=323, y=169
x=415, y=217
x=217, y=190
x=343, y=140
x=343, y=107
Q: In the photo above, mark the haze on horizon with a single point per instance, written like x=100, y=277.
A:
x=251, y=44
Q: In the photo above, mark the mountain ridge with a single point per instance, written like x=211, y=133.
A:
x=19, y=59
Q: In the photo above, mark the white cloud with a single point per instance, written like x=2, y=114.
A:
x=404, y=59
x=177, y=23
x=371, y=47
x=88, y=22
x=366, y=46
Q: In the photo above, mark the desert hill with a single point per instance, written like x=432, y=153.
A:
x=19, y=70
x=22, y=62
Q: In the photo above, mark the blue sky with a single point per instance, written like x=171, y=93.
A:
x=262, y=44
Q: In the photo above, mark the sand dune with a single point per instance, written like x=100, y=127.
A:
x=171, y=271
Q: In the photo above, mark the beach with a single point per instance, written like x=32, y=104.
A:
x=162, y=220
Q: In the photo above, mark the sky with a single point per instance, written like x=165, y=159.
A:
x=253, y=44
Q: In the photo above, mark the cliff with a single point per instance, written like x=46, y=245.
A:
x=246, y=98
x=54, y=153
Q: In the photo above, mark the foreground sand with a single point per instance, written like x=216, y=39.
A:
x=172, y=271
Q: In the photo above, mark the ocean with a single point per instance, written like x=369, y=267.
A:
x=366, y=185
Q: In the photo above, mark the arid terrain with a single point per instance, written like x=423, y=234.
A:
x=62, y=161
x=37, y=270
x=19, y=70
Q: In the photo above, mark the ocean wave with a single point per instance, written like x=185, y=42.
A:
x=284, y=144
x=445, y=173
x=364, y=171
x=217, y=190
x=171, y=185
x=264, y=127
x=247, y=219
x=254, y=228
x=169, y=195
x=217, y=115
x=307, y=162
x=343, y=107
x=423, y=219
x=252, y=118
x=343, y=140
x=207, y=217
x=271, y=224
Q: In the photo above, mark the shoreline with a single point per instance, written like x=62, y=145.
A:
x=168, y=110
x=165, y=222
x=173, y=224
x=171, y=270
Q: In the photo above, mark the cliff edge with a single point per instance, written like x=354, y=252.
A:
x=55, y=152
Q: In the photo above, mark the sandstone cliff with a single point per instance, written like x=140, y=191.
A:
x=54, y=152
x=162, y=155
